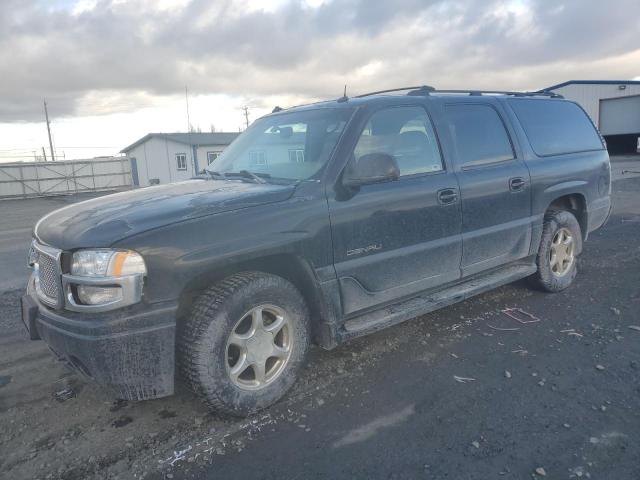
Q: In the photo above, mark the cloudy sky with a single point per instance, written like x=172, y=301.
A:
x=113, y=70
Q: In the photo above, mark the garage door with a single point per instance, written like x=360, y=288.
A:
x=619, y=116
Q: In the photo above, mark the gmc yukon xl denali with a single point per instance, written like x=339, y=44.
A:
x=319, y=224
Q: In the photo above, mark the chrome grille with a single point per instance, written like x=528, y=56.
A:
x=48, y=275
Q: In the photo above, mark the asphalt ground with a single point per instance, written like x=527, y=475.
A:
x=560, y=394
x=466, y=392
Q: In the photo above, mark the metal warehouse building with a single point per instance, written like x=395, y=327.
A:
x=172, y=157
x=613, y=105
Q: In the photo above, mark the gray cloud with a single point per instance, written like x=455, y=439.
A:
x=300, y=51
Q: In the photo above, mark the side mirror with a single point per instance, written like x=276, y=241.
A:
x=371, y=168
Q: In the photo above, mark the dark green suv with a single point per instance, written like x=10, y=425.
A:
x=320, y=223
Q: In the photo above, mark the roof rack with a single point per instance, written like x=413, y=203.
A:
x=422, y=88
x=426, y=90
x=503, y=92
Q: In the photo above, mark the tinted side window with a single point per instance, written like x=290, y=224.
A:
x=405, y=133
x=554, y=127
x=478, y=134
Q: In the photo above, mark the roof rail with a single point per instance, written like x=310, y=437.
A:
x=503, y=92
x=425, y=90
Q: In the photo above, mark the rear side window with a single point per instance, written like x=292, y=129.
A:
x=479, y=136
x=554, y=127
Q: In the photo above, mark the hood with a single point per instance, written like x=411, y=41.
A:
x=102, y=221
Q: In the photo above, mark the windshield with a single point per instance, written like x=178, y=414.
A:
x=292, y=146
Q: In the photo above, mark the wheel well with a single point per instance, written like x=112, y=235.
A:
x=287, y=266
x=576, y=204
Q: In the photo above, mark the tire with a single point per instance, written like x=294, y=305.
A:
x=557, y=223
x=207, y=353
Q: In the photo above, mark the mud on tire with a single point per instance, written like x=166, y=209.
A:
x=544, y=278
x=202, y=341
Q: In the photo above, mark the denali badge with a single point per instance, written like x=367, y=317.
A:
x=363, y=250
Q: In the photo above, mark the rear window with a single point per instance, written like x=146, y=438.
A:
x=555, y=127
x=479, y=135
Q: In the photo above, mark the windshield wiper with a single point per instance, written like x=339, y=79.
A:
x=214, y=175
x=256, y=177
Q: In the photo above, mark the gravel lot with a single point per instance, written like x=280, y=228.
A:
x=463, y=393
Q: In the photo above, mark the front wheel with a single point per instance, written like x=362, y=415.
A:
x=245, y=342
x=557, y=259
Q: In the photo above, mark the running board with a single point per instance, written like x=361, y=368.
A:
x=414, y=307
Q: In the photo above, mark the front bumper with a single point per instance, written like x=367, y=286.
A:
x=131, y=351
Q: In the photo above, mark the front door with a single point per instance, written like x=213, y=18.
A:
x=394, y=239
x=494, y=187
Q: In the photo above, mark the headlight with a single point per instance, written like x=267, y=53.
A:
x=104, y=279
x=107, y=263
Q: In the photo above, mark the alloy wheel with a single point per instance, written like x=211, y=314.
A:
x=259, y=347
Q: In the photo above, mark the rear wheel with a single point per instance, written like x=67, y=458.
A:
x=560, y=245
x=245, y=342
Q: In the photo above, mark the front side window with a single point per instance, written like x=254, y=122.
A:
x=181, y=161
x=286, y=146
x=479, y=136
x=406, y=134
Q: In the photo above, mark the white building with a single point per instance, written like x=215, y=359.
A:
x=613, y=105
x=171, y=157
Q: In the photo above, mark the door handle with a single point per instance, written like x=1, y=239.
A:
x=516, y=184
x=447, y=196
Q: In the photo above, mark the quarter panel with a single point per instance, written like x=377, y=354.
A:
x=583, y=173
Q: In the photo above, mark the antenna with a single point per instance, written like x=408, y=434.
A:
x=344, y=97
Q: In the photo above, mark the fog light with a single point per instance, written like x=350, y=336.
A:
x=91, y=295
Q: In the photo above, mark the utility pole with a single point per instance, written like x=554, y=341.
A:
x=186, y=99
x=191, y=146
x=46, y=115
x=44, y=154
x=246, y=115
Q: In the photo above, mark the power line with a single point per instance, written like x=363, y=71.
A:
x=59, y=148
x=112, y=146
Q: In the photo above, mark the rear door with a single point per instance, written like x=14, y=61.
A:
x=394, y=239
x=494, y=186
